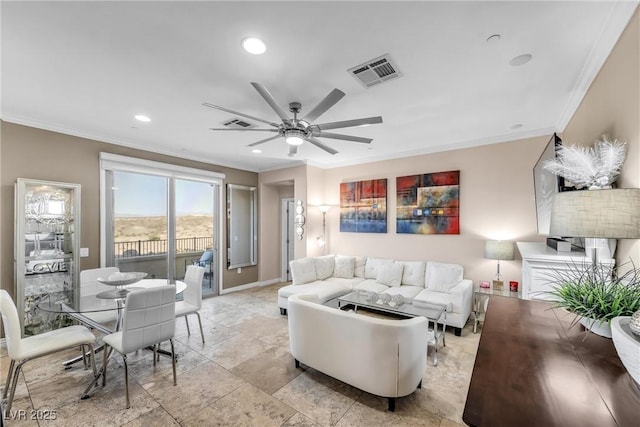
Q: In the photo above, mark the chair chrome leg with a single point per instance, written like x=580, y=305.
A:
x=12, y=365
x=92, y=360
x=173, y=362
x=16, y=374
x=155, y=354
x=187, y=322
x=105, y=361
x=200, y=323
x=126, y=379
x=84, y=355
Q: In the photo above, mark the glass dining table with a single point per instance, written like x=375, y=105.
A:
x=93, y=308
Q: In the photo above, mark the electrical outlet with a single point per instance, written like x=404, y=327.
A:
x=84, y=252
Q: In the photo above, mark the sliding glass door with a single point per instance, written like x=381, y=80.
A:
x=160, y=223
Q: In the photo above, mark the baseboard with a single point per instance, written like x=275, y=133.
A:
x=250, y=285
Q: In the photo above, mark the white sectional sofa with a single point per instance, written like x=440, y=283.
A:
x=338, y=343
x=331, y=276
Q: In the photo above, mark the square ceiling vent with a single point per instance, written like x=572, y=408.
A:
x=236, y=123
x=375, y=71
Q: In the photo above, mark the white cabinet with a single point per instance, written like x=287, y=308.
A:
x=540, y=264
x=46, y=251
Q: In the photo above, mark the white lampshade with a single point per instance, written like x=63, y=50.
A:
x=498, y=249
x=611, y=214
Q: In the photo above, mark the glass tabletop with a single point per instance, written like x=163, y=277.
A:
x=428, y=310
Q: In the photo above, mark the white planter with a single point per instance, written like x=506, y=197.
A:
x=627, y=345
x=599, y=328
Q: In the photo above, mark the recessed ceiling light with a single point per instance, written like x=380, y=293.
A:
x=254, y=45
x=516, y=126
x=520, y=60
x=493, y=38
x=142, y=118
x=257, y=151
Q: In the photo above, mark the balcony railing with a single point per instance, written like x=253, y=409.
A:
x=156, y=247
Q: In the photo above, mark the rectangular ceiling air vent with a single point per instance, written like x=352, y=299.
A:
x=238, y=124
x=375, y=71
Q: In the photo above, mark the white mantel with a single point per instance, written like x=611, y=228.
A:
x=539, y=262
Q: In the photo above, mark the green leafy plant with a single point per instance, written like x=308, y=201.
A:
x=597, y=292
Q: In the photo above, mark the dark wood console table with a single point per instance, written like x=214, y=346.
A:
x=533, y=370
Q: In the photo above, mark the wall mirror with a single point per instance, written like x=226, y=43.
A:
x=242, y=235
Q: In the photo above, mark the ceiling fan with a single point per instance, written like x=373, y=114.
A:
x=296, y=131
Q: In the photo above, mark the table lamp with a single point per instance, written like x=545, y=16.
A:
x=498, y=250
x=608, y=214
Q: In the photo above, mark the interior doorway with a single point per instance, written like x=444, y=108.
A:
x=288, y=237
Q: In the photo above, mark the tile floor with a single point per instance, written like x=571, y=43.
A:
x=242, y=376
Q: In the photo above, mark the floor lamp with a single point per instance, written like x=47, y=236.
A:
x=498, y=250
x=608, y=214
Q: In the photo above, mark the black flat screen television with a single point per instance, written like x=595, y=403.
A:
x=546, y=185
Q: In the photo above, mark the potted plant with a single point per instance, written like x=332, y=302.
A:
x=596, y=294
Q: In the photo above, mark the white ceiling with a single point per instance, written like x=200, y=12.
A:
x=86, y=68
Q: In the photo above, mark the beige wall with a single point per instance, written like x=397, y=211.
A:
x=496, y=202
x=269, y=239
x=34, y=153
x=612, y=107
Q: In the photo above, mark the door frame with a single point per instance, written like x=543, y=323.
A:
x=287, y=242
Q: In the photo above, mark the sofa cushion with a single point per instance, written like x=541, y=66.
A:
x=347, y=283
x=324, y=266
x=390, y=274
x=441, y=277
x=370, y=285
x=303, y=270
x=358, y=268
x=325, y=291
x=433, y=297
x=372, y=265
x=407, y=291
x=413, y=273
x=344, y=266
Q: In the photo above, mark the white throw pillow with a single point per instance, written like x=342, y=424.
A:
x=344, y=267
x=413, y=273
x=390, y=274
x=324, y=266
x=442, y=277
x=358, y=269
x=372, y=265
x=303, y=270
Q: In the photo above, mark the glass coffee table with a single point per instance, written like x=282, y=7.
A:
x=434, y=313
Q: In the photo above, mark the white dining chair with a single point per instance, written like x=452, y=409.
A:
x=90, y=287
x=22, y=350
x=192, y=296
x=148, y=319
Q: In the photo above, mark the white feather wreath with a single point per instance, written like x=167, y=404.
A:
x=596, y=167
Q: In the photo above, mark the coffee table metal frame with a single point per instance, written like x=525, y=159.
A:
x=434, y=313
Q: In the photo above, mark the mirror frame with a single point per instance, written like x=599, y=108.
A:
x=242, y=202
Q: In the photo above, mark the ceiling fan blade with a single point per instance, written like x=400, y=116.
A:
x=246, y=130
x=349, y=123
x=328, y=102
x=344, y=137
x=293, y=150
x=262, y=141
x=217, y=107
x=319, y=144
x=270, y=100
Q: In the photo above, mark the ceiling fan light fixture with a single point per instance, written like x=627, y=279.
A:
x=294, y=137
x=254, y=45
